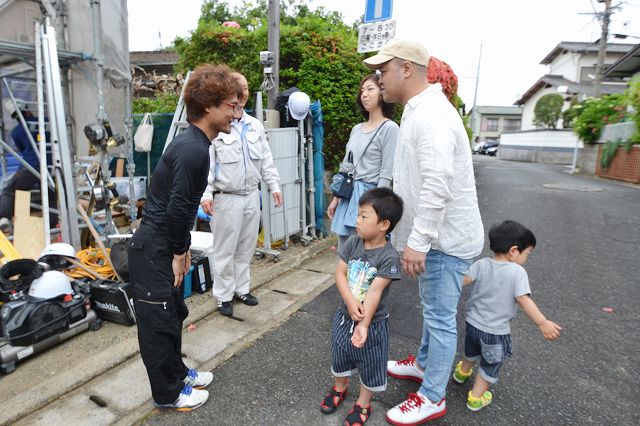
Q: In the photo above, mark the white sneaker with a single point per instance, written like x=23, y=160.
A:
x=189, y=399
x=198, y=379
x=416, y=410
x=405, y=369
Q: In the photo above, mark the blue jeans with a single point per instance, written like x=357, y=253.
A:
x=440, y=286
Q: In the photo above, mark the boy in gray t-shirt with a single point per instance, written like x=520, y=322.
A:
x=500, y=285
x=360, y=337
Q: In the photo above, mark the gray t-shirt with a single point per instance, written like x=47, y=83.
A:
x=365, y=265
x=377, y=164
x=492, y=303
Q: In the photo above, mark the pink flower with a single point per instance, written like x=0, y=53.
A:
x=231, y=24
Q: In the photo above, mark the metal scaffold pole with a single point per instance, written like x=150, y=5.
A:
x=44, y=173
x=59, y=139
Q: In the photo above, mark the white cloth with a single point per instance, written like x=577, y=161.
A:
x=240, y=159
x=234, y=226
x=433, y=173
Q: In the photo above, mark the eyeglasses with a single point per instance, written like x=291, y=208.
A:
x=234, y=107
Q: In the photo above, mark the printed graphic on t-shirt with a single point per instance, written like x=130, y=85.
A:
x=360, y=275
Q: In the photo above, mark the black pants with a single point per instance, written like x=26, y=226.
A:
x=160, y=311
x=23, y=180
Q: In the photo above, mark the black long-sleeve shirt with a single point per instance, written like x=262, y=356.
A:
x=177, y=184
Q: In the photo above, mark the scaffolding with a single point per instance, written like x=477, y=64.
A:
x=47, y=63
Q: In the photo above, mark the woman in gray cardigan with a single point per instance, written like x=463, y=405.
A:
x=371, y=145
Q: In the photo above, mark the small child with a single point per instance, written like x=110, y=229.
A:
x=500, y=283
x=360, y=338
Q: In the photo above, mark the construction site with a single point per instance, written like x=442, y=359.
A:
x=72, y=195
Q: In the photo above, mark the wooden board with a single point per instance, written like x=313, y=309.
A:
x=28, y=231
x=120, y=167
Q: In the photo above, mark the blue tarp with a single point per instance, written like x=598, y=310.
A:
x=318, y=165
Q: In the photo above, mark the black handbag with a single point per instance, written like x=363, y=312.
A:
x=342, y=182
x=342, y=185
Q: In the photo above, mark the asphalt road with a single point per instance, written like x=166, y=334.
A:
x=587, y=259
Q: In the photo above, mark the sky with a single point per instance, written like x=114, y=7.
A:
x=515, y=35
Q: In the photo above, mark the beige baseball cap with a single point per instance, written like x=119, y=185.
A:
x=407, y=50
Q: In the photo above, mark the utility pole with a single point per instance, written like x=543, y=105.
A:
x=273, y=44
x=602, y=50
x=475, y=94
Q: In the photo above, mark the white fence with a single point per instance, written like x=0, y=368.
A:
x=539, y=146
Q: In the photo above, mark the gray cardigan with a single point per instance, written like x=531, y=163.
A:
x=377, y=164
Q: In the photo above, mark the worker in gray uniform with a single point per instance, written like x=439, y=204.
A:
x=239, y=160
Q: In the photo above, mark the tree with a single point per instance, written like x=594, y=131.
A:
x=548, y=110
x=318, y=55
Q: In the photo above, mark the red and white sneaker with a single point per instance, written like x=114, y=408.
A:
x=405, y=369
x=416, y=410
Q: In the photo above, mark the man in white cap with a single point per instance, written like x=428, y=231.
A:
x=441, y=230
x=239, y=160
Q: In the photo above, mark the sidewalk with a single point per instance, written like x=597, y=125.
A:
x=68, y=384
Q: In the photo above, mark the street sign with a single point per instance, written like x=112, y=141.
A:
x=373, y=36
x=377, y=10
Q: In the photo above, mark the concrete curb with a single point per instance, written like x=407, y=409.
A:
x=85, y=370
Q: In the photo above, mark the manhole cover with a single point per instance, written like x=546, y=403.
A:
x=569, y=187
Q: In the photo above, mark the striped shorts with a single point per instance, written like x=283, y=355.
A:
x=370, y=360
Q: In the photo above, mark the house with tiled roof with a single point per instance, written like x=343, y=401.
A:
x=572, y=68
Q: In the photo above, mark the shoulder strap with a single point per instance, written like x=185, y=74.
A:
x=366, y=147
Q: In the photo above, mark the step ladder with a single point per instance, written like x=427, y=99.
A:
x=179, y=122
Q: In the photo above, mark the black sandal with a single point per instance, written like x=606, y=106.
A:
x=354, y=418
x=328, y=404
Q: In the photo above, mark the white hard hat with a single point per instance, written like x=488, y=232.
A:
x=299, y=105
x=58, y=249
x=50, y=285
x=10, y=107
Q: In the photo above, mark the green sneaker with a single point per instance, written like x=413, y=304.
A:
x=476, y=404
x=459, y=376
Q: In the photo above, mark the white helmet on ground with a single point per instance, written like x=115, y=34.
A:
x=58, y=249
x=51, y=284
x=298, y=105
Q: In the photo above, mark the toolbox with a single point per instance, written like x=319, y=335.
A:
x=201, y=274
x=113, y=301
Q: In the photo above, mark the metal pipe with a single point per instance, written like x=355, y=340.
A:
x=311, y=180
x=97, y=54
x=21, y=119
x=44, y=190
x=21, y=160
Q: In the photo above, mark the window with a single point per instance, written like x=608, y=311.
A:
x=585, y=72
x=511, y=124
x=492, y=124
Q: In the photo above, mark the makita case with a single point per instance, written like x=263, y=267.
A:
x=201, y=274
x=113, y=301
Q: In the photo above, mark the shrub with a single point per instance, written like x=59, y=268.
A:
x=166, y=102
x=547, y=110
x=632, y=95
x=318, y=55
x=594, y=114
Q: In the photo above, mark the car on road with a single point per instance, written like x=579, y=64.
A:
x=489, y=148
x=477, y=147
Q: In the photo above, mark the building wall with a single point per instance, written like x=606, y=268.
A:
x=17, y=24
x=565, y=65
x=529, y=108
x=16, y=21
x=484, y=134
